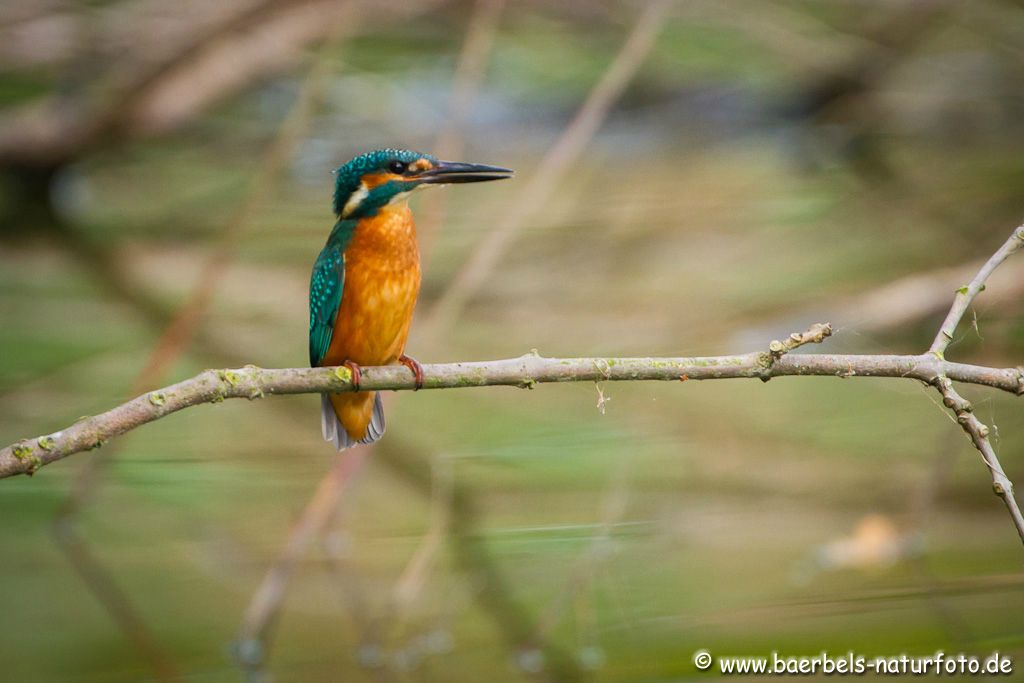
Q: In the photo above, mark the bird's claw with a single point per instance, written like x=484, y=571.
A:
x=357, y=374
x=415, y=367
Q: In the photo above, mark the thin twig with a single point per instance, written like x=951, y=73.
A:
x=978, y=432
x=815, y=334
x=213, y=386
x=965, y=295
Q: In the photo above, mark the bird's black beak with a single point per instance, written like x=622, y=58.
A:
x=445, y=172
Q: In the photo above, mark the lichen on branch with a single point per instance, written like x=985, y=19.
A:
x=251, y=382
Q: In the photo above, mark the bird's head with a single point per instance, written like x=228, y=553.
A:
x=375, y=179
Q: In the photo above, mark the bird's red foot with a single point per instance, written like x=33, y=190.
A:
x=415, y=367
x=357, y=374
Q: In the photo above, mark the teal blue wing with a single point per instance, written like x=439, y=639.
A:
x=325, y=288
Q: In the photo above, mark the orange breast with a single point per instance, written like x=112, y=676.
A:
x=382, y=281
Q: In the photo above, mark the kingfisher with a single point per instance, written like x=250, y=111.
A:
x=365, y=282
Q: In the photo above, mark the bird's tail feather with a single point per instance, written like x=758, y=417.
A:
x=335, y=432
x=375, y=430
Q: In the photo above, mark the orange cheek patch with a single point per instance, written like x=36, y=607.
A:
x=421, y=165
x=372, y=180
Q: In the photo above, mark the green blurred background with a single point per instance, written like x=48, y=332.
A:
x=769, y=165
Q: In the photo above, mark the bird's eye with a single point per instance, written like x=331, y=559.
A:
x=398, y=166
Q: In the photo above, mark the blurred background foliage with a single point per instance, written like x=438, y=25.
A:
x=769, y=165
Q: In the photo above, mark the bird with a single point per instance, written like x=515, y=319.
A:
x=365, y=281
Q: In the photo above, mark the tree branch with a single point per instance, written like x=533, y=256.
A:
x=213, y=386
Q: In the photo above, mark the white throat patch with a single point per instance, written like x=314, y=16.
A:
x=354, y=200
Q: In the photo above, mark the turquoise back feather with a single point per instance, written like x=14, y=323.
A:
x=325, y=289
